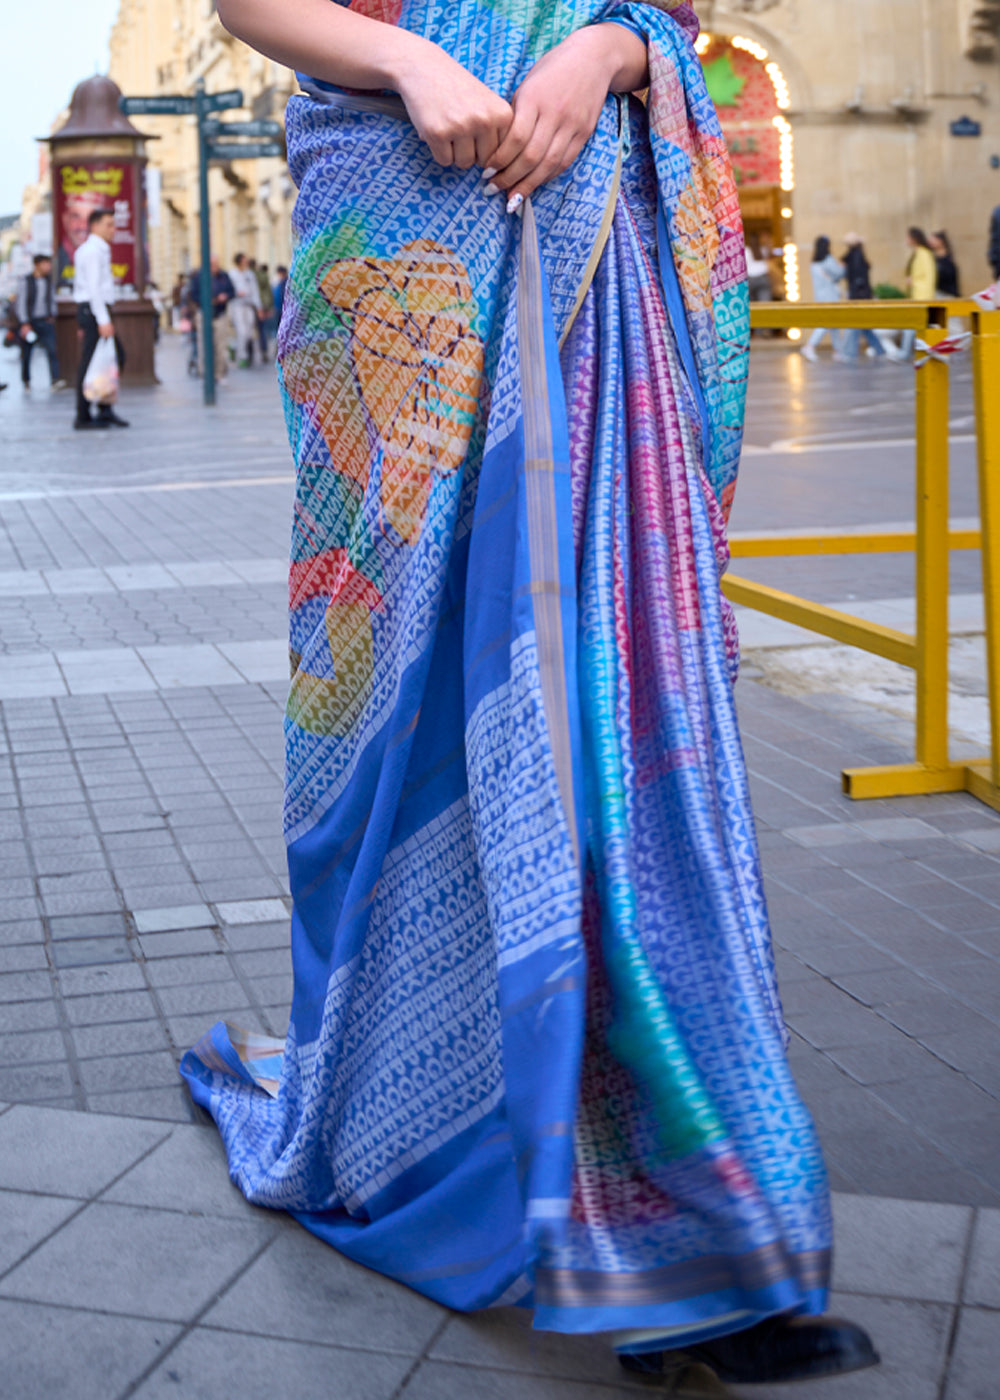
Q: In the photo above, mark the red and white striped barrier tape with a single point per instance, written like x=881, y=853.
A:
x=988, y=300
x=943, y=350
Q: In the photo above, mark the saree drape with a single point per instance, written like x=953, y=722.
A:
x=536, y=1051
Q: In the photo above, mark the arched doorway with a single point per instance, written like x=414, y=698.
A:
x=751, y=96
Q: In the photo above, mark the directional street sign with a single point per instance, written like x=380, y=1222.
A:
x=243, y=150
x=156, y=106
x=214, y=128
x=220, y=101
x=216, y=141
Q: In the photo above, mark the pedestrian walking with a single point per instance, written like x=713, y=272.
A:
x=758, y=276
x=94, y=292
x=536, y=1052
x=948, y=280
x=244, y=309
x=153, y=294
x=36, y=316
x=265, y=319
x=993, y=248
x=828, y=273
x=179, y=303
x=921, y=284
x=280, y=281
x=222, y=294
x=859, y=288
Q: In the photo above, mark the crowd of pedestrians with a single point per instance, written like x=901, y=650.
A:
x=930, y=273
x=246, y=309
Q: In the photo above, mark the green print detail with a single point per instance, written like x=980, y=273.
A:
x=724, y=83
x=346, y=239
x=545, y=25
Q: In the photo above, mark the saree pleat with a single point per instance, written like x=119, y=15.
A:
x=536, y=1052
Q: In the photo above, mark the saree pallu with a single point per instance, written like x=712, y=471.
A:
x=536, y=1052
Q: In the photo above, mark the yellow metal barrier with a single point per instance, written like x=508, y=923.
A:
x=926, y=652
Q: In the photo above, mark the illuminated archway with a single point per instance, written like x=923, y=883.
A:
x=752, y=96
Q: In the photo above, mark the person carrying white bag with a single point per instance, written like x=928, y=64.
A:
x=101, y=355
x=100, y=383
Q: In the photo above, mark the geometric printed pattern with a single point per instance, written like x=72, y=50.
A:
x=536, y=1049
x=532, y=886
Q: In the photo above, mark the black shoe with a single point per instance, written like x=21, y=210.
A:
x=91, y=423
x=779, y=1349
x=111, y=420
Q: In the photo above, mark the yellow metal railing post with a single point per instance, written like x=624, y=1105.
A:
x=932, y=561
x=927, y=652
x=982, y=779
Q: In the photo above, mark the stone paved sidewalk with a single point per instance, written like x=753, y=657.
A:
x=143, y=895
x=130, y=1267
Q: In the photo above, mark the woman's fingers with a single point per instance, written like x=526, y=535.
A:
x=538, y=147
x=463, y=150
x=489, y=143
x=545, y=156
x=461, y=119
x=521, y=130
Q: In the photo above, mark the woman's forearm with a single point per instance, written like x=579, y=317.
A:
x=326, y=40
x=628, y=57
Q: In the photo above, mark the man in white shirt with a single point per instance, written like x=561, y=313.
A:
x=244, y=309
x=94, y=291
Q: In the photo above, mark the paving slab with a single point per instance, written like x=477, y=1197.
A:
x=311, y=1294
x=503, y=1339
x=983, y=1280
x=904, y=1249
x=974, y=1366
x=209, y=1364
x=185, y=916
x=138, y=1262
x=26, y=1219
x=49, y=1353
x=75, y=1154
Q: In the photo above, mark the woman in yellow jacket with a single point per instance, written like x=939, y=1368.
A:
x=921, y=282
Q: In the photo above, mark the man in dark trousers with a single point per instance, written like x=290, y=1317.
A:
x=36, y=316
x=994, y=251
x=94, y=291
x=223, y=292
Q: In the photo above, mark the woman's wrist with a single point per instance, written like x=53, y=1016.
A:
x=619, y=53
x=404, y=56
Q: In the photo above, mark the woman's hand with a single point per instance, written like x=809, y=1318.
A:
x=461, y=119
x=558, y=106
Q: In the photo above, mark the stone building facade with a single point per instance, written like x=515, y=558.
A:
x=868, y=94
x=164, y=46
x=840, y=113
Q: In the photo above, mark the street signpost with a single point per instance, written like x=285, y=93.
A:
x=157, y=106
x=219, y=101
x=217, y=140
x=230, y=150
x=223, y=130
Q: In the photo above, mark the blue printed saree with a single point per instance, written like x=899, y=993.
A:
x=536, y=1052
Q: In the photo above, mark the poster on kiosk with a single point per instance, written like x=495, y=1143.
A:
x=85, y=184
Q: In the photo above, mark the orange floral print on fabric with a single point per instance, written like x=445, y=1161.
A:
x=413, y=374
x=324, y=705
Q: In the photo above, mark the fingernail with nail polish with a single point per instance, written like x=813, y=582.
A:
x=491, y=189
x=514, y=203
x=489, y=172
